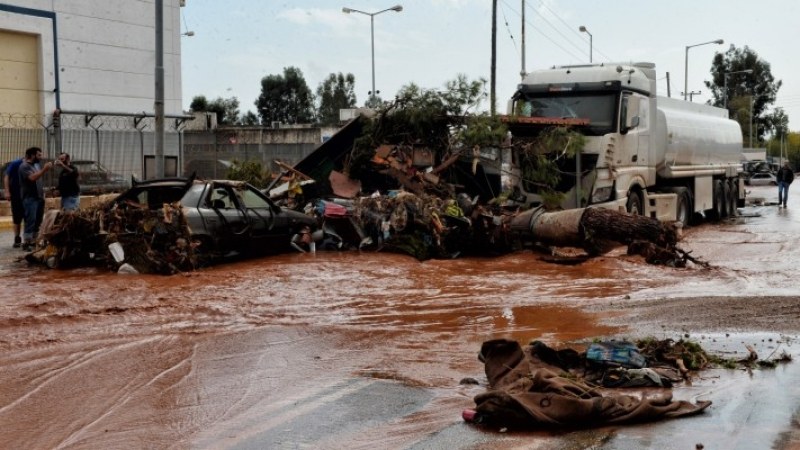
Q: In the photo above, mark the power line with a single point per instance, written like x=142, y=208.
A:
x=572, y=29
x=508, y=28
x=545, y=35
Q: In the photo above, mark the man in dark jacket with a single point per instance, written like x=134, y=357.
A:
x=785, y=176
x=68, y=187
x=32, y=190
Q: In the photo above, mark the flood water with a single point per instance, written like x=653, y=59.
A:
x=362, y=350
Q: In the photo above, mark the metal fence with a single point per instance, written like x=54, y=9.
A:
x=210, y=153
x=123, y=144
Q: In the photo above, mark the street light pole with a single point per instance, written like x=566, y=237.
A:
x=583, y=29
x=395, y=8
x=725, y=84
x=158, y=104
x=686, y=65
x=751, y=121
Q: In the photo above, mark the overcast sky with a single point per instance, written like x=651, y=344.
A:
x=238, y=42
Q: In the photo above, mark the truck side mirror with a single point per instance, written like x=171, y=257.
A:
x=630, y=123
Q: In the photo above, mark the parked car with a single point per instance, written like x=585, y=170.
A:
x=227, y=217
x=95, y=179
x=761, y=179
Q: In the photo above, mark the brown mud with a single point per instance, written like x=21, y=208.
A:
x=349, y=350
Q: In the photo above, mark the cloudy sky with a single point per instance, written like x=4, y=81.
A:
x=237, y=42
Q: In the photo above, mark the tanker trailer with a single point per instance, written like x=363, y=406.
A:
x=664, y=158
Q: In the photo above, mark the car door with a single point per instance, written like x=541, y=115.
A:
x=261, y=216
x=225, y=219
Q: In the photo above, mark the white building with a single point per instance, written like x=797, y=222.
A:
x=94, y=61
x=86, y=55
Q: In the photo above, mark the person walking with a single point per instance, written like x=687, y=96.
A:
x=785, y=176
x=32, y=192
x=12, y=194
x=67, y=186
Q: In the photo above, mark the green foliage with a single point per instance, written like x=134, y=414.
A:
x=430, y=118
x=199, y=103
x=335, y=93
x=483, y=130
x=759, y=85
x=226, y=109
x=538, y=160
x=249, y=118
x=285, y=98
x=252, y=172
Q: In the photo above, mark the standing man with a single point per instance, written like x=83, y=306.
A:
x=68, y=187
x=12, y=194
x=32, y=191
x=785, y=176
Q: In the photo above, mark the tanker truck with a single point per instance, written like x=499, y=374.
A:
x=655, y=156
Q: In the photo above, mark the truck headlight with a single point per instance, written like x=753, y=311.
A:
x=602, y=194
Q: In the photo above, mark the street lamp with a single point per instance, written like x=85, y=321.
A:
x=188, y=34
x=686, y=64
x=395, y=8
x=725, y=84
x=584, y=30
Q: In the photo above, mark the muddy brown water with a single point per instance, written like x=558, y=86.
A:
x=349, y=350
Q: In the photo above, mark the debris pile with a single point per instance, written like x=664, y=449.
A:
x=131, y=238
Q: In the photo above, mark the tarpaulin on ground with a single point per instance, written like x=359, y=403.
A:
x=530, y=388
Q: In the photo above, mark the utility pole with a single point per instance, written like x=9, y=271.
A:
x=159, y=94
x=522, y=72
x=691, y=94
x=668, y=87
x=492, y=107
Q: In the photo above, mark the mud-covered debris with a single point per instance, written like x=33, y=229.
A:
x=152, y=241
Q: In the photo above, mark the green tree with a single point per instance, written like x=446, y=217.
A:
x=252, y=172
x=285, y=98
x=249, y=118
x=759, y=87
x=199, y=103
x=335, y=93
x=227, y=110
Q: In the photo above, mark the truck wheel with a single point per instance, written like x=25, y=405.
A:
x=634, y=205
x=726, y=199
x=684, y=207
x=733, y=197
x=718, y=211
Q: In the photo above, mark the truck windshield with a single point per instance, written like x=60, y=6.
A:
x=597, y=109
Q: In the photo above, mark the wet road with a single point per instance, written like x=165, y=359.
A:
x=367, y=350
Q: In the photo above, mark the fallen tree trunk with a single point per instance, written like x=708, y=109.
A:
x=597, y=230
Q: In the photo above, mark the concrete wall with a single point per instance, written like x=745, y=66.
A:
x=98, y=55
x=209, y=153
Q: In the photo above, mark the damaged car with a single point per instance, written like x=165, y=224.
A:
x=224, y=217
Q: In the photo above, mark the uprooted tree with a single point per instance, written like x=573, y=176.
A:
x=424, y=123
